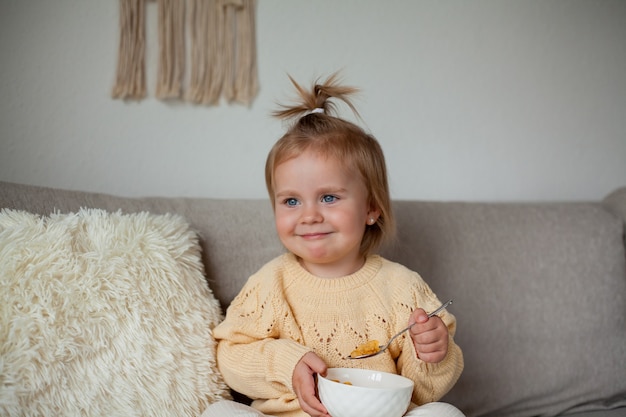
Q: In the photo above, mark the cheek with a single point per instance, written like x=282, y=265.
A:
x=357, y=215
x=283, y=223
x=354, y=223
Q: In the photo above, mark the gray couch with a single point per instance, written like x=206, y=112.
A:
x=539, y=289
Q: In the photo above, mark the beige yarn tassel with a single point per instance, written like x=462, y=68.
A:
x=205, y=84
x=130, y=80
x=171, y=68
x=229, y=61
x=239, y=65
x=223, y=51
x=245, y=84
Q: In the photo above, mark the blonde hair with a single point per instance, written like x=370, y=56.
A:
x=332, y=137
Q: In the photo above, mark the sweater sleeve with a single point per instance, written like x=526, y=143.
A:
x=253, y=354
x=432, y=380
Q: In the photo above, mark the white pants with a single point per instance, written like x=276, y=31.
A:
x=232, y=409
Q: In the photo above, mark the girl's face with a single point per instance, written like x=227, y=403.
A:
x=321, y=212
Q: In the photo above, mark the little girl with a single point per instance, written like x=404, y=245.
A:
x=306, y=310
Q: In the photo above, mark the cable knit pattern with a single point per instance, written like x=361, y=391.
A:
x=283, y=312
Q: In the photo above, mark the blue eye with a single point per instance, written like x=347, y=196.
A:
x=329, y=198
x=291, y=202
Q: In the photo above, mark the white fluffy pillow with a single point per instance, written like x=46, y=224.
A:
x=104, y=314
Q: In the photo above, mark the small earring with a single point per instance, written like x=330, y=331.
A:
x=372, y=220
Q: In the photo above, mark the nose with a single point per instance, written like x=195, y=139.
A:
x=310, y=214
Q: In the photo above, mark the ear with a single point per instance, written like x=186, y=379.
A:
x=372, y=216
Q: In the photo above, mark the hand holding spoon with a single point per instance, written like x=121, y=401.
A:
x=382, y=348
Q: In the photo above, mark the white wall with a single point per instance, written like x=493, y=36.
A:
x=471, y=100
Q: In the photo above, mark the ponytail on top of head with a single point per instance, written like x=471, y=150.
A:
x=313, y=100
x=317, y=128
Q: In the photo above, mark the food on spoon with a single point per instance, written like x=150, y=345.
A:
x=367, y=348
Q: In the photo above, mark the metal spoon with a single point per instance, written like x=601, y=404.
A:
x=382, y=348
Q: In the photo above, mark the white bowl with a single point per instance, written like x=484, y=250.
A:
x=372, y=393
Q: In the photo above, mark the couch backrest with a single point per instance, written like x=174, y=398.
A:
x=539, y=289
x=237, y=236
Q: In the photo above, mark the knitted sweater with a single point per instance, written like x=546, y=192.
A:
x=284, y=312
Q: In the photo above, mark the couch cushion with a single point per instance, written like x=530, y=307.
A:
x=540, y=296
x=236, y=236
x=104, y=314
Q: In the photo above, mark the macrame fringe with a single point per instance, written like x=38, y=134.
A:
x=130, y=80
x=245, y=84
x=206, y=47
x=222, y=51
x=171, y=69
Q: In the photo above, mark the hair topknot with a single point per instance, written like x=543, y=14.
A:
x=318, y=97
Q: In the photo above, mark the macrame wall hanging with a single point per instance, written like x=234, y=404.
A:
x=222, y=51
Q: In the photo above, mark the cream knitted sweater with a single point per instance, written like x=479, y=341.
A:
x=284, y=312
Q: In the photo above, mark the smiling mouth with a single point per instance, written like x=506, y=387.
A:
x=313, y=236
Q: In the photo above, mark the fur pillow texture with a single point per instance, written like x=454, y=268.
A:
x=105, y=314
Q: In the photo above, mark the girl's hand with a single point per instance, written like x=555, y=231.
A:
x=303, y=382
x=430, y=336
